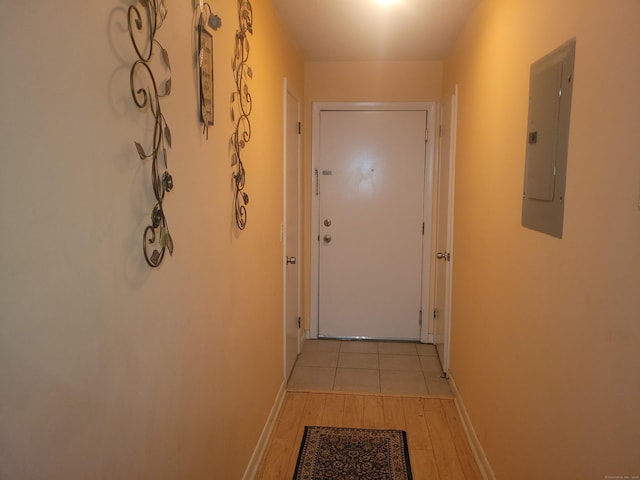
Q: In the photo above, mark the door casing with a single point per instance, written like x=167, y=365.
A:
x=318, y=107
x=444, y=207
x=291, y=229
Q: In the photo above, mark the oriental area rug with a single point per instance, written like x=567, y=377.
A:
x=331, y=453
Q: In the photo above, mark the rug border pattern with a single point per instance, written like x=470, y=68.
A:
x=405, y=473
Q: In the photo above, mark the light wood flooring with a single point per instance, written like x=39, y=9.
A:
x=438, y=446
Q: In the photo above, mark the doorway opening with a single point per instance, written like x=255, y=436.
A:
x=372, y=188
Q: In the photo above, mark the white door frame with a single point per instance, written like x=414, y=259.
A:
x=446, y=357
x=430, y=107
x=289, y=90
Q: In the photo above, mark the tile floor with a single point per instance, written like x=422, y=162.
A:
x=369, y=367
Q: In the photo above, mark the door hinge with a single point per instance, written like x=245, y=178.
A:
x=426, y=135
x=299, y=128
x=420, y=318
x=435, y=313
x=440, y=131
x=299, y=322
x=422, y=228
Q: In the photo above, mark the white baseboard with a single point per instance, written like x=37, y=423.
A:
x=261, y=447
x=476, y=446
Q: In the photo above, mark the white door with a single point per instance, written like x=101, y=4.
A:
x=291, y=229
x=444, y=229
x=370, y=184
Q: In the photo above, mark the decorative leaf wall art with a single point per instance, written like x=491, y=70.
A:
x=143, y=24
x=241, y=108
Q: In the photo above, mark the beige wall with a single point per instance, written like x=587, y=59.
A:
x=405, y=81
x=107, y=368
x=545, y=332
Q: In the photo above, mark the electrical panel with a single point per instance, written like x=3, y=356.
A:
x=550, y=90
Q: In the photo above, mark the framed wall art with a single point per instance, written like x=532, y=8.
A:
x=206, y=20
x=206, y=78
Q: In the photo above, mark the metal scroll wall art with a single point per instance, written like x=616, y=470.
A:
x=143, y=24
x=204, y=58
x=241, y=108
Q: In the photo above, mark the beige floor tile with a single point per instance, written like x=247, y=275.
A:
x=439, y=386
x=358, y=347
x=317, y=359
x=406, y=383
x=316, y=378
x=321, y=346
x=357, y=380
x=356, y=366
x=398, y=348
x=358, y=360
x=409, y=363
x=431, y=367
x=427, y=349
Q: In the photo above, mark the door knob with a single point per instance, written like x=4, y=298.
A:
x=443, y=256
x=291, y=260
x=327, y=238
x=327, y=222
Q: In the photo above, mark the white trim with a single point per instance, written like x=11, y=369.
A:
x=426, y=333
x=451, y=201
x=283, y=229
x=430, y=107
x=288, y=89
x=302, y=338
x=315, y=229
x=263, y=441
x=476, y=447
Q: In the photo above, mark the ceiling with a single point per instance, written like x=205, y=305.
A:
x=351, y=30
